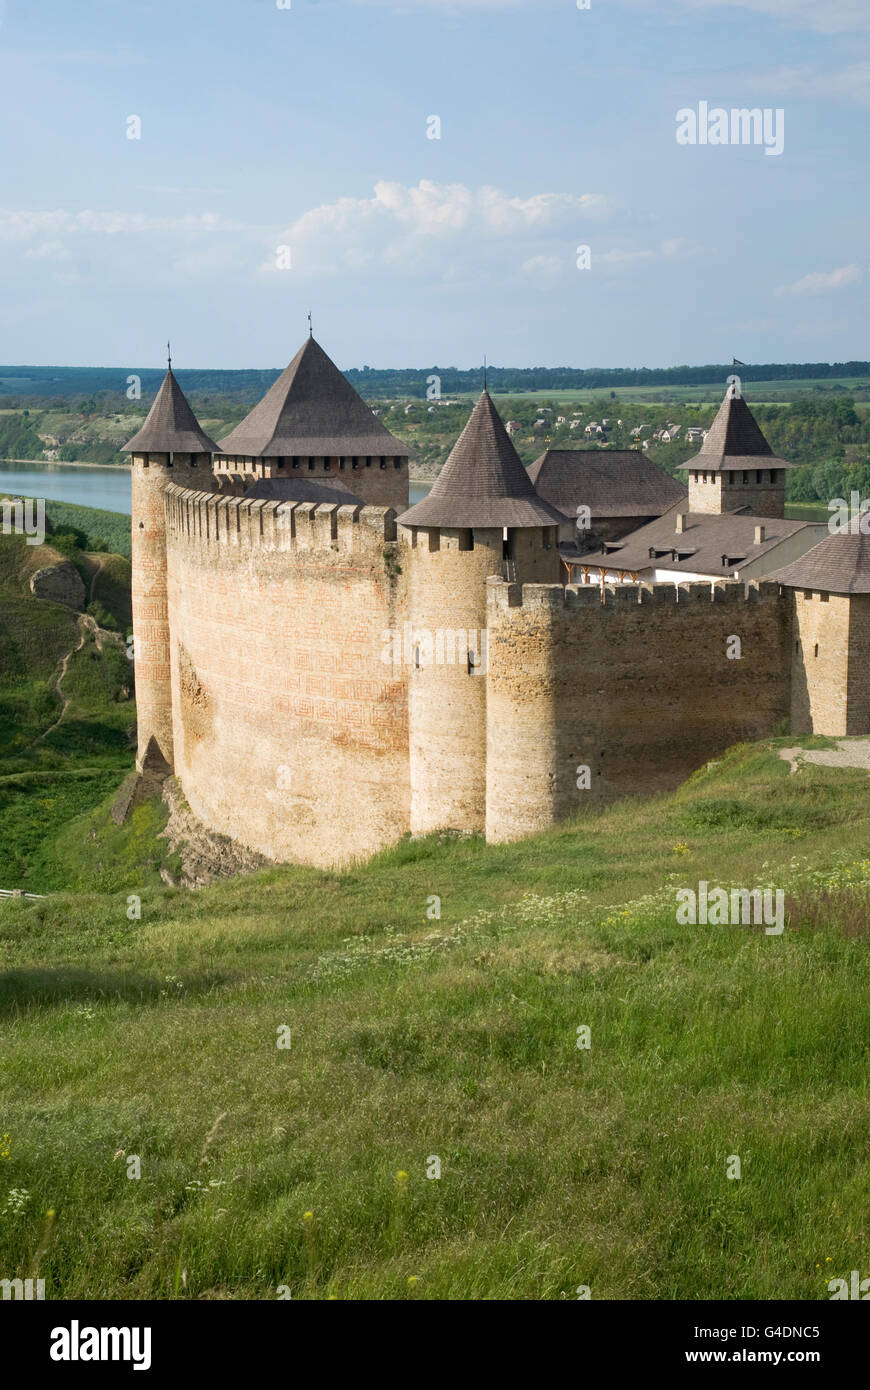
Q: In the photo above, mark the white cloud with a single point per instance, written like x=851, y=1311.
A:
x=666, y=250
x=821, y=281
x=541, y=267
x=850, y=84
x=447, y=233
x=456, y=4
x=424, y=227
x=828, y=16
x=22, y=226
x=48, y=251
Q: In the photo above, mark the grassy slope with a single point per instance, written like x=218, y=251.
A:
x=415, y=1037
x=49, y=778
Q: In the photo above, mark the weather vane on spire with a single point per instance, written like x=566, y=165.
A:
x=168, y=355
x=484, y=373
x=310, y=325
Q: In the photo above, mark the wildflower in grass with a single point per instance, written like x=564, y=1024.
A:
x=680, y=847
x=16, y=1200
x=5, y=1146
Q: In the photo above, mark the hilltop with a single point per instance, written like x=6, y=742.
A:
x=415, y=1037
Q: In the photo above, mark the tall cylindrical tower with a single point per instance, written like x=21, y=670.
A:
x=481, y=518
x=170, y=447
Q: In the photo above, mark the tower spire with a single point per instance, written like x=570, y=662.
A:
x=310, y=325
x=168, y=356
x=484, y=372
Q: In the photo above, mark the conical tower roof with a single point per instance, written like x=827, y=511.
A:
x=734, y=441
x=171, y=426
x=311, y=410
x=840, y=564
x=484, y=482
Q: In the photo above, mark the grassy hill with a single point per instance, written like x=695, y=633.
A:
x=65, y=730
x=415, y=1037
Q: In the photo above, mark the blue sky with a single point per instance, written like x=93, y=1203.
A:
x=306, y=128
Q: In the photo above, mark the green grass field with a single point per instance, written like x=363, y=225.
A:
x=757, y=392
x=415, y=1038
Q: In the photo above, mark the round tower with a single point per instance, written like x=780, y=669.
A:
x=169, y=448
x=481, y=518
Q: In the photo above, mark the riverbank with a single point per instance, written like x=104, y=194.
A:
x=66, y=463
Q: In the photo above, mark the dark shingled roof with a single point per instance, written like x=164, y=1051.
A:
x=311, y=411
x=609, y=482
x=734, y=441
x=483, y=483
x=839, y=564
x=706, y=538
x=301, y=489
x=171, y=426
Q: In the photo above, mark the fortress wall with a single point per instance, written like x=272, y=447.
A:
x=858, y=705
x=820, y=663
x=764, y=499
x=373, y=485
x=290, y=731
x=534, y=551
x=639, y=689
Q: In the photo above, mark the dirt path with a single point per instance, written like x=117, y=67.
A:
x=850, y=752
x=94, y=577
x=86, y=625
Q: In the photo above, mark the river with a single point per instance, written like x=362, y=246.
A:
x=87, y=486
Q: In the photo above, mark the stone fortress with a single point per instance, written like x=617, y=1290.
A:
x=325, y=669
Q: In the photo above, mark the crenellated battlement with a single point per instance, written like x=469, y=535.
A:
x=565, y=598
x=214, y=519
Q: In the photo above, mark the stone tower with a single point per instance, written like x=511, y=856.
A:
x=481, y=518
x=169, y=448
x=830, y=682
x=736, y=466
x=312, y=426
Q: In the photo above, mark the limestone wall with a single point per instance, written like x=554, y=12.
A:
x=714, y=492
x=448, y=570
x=858, y=710
x=290, y=731
x=382, y=480
x=638, y=689
x=820, y=662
